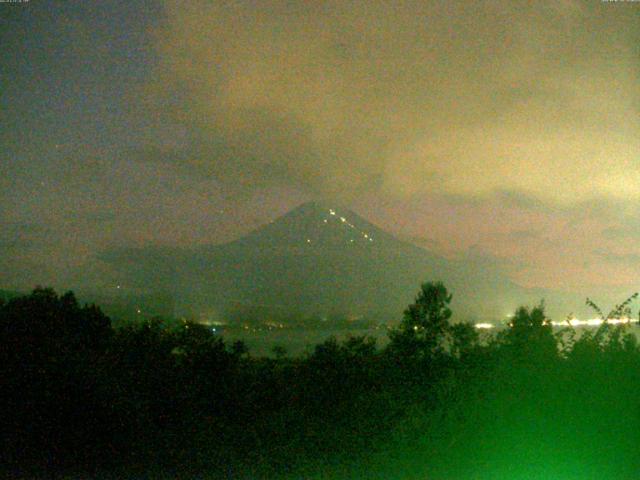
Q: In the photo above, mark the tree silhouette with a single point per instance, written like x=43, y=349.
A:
x=425, y=323
x=463, y=339
x=50, y=347
x=279, y=351
x=172, y=398
x=530, y=334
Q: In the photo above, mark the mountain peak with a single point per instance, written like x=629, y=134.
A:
x=316, y=206
x=309, y=208
x=315, y=224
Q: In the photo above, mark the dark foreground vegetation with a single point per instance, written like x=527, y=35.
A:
x=172, y=400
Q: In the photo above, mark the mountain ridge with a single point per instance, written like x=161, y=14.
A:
x=316, y=259
x=312, y=218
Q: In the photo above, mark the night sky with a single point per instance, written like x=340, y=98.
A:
x=503, y=131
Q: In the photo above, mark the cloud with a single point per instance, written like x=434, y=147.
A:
x=460, y=98
x=482, y=260
x=22, y=234
x=527, y=234
x=100, y=217
x=15, y=245
x=521, y=200
x=618, y=232
x=627, y=259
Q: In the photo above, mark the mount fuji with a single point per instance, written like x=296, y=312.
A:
x=316, y=260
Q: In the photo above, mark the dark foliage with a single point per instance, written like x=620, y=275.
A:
x=161, y=399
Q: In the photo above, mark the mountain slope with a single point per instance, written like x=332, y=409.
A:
x=320, y=259
x=317, y=259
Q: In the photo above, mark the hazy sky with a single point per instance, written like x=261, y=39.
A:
x=503, y=131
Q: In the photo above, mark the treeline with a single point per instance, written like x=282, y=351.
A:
x=161, y=399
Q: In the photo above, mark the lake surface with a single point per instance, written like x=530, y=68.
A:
x=297, y=341
x=300, y=341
